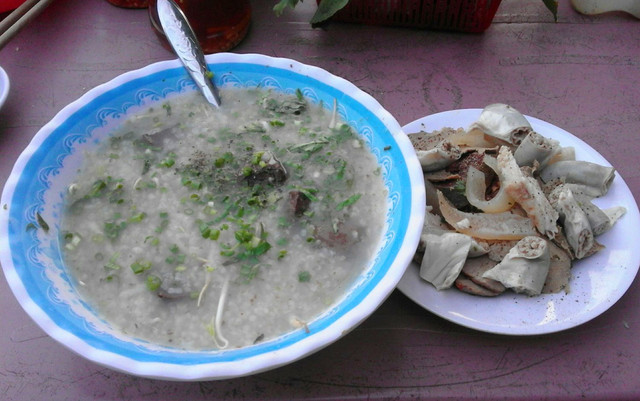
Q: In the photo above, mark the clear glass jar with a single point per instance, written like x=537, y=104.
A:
x=219, y=25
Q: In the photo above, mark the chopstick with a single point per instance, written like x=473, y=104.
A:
x=20, y=17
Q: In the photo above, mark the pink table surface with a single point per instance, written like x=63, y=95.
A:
x=582, y=74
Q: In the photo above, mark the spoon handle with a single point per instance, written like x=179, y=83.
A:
x=185, y=44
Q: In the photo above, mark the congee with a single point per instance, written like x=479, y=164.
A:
x=204, y=228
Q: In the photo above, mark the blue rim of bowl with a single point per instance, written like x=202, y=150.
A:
x=23, y=198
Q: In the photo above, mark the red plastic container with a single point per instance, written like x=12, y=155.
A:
x=453, y=15
x=9, y=5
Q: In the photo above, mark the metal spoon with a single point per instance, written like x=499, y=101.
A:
x=184, y=43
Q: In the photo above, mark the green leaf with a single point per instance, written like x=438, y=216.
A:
x=326, y=9
x=283, y=4
x=552, y=5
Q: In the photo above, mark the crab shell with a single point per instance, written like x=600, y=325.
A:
x=503, y=122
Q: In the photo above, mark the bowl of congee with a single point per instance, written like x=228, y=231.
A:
x=155, y=234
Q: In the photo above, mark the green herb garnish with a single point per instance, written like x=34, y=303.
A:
x=304, y=276
x=42, y=223
x=141, y=266
x=348, y=202
x=153, y=282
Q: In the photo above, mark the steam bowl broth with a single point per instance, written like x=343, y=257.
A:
x=149, y=308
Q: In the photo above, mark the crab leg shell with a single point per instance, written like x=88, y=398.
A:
x=499, y=226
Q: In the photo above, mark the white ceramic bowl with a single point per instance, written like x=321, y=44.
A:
x=35, y=271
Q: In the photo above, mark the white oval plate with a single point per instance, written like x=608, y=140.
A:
x=597, y=282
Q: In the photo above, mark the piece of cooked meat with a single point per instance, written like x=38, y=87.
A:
x=428, y=140
x=559, y=271
x=474, y=268
x=465, y=284
x=299, y=202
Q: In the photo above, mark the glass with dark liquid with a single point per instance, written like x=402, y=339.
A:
x=130, y=3
x=219, y=25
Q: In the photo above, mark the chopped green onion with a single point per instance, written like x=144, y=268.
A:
x=309, y=193
x=72, y=241
x=257, y=157
x=111, y=264
x=140, y=266
x=249, y=271
x=137, y=218
x=42, y=223
x=227, y=253
x=304, y=276
x=283, y=222
x=153, y=282
x=169, y=161
x=153, y=240
x=163, y=224
x=243, y=236
x=348, y=202
x=112, y=229
x=96, y=189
